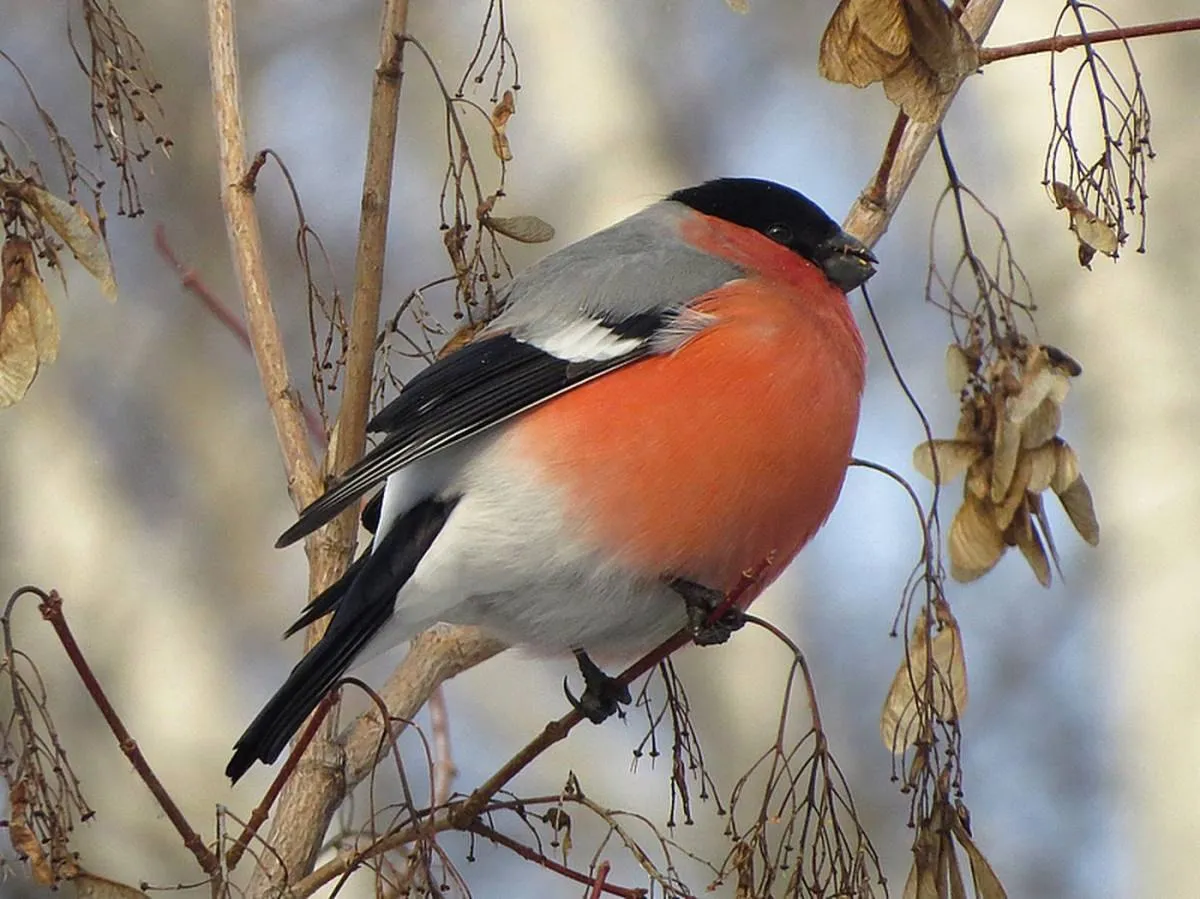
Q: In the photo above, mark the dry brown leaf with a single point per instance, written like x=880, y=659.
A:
x=18, y=355
x=1005, y=453
x=23, y=285
x=1094, y=232
x=914, y=88
x=953, y=458
x=1043, y=463
x=81, y=235
x=987, y=884
x=975, y=542
x=1077, y=503
x=525, y=228
x=502, y=112
x=92, y=886
x=899, y=722
x=1025, y=535
x=941, y=41
x=1041, y=425
x=959, y=367
x=1066, y=467
x=864, y=42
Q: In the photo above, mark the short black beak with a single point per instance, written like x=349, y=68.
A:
x=845, y=260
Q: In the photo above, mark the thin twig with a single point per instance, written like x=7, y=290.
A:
x=597, y=884
x=51, y=609
x=444, y=769
x=190, y=281
x=1058, y=43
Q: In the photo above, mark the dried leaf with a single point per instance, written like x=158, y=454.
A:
x=959, y=367
x=739, y=6
x=1077, y=503
x=525, y=228
x=1065, y=197
x=987, y=884
x=975, y=542
x=864, y=42
x=92, y=886
x=979, y=478
x=502, y=112
x=899, y=722
x=1041, y=425
x=941, y=42
x=1007, y=508
x=1066, y=467
x=915, y=88
x=953, y=458
x=21, y=285
x=1094, y=232
x=24, y=841
x=1025, y=535
x=77, y=230
x=18, y=355
x=1005, y=451
x=1043, y=463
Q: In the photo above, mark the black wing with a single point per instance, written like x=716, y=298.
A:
x=469, y=391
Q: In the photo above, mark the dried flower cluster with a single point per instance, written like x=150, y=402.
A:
x=1007, y=447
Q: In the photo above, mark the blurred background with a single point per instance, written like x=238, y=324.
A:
x=141, y=479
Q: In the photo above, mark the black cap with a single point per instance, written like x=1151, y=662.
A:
x=787, y=217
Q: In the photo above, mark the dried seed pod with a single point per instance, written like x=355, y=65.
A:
x=975, y=542
x=953, y=458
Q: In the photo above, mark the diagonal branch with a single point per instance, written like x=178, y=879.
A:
x=871, y=213
x=245, y=243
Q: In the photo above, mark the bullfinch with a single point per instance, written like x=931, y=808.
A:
x=659, y=408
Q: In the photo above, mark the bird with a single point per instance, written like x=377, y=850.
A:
x=658, y=408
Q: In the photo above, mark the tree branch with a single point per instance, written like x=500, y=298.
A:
x=245, y=244
x=1058, y=43
x=307, y=804
x=871, y=213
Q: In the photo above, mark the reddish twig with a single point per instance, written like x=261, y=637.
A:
x=597, y=883
x=51, y=608
x=261, y=811
x=1058, y=43
x=193, y=284
x=444, y=769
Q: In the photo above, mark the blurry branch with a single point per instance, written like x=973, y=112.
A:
x=50, y=605
x=873, y=210
x=245, y=241
x=191, y=281
x=1058, y=43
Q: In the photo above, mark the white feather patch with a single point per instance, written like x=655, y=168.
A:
x=587, y=340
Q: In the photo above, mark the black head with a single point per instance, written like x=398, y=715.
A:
x=787, y=217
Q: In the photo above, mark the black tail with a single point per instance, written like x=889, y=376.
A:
x=362, y=602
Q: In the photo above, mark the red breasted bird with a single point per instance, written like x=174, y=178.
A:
x=660, y=407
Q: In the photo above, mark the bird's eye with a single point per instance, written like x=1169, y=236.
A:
x=780, y=233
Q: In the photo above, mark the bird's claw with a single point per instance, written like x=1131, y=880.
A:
x=602, y=695
x=701, y=603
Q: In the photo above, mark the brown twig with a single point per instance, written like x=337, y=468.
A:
x=873, y=210
x=1058, y=43
x=444, y=769
x=261, y=811
x=51, y=608
x=245, y=242
x=597, y=884
x=190, y=281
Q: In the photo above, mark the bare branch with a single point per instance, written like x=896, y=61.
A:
x=245, y=242
x=1058, y=43
x=873, y=210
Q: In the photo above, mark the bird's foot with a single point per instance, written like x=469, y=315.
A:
x=602, y=695
x=701, y=603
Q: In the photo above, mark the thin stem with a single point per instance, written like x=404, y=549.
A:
x=1058, y=43
x=51, y=609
